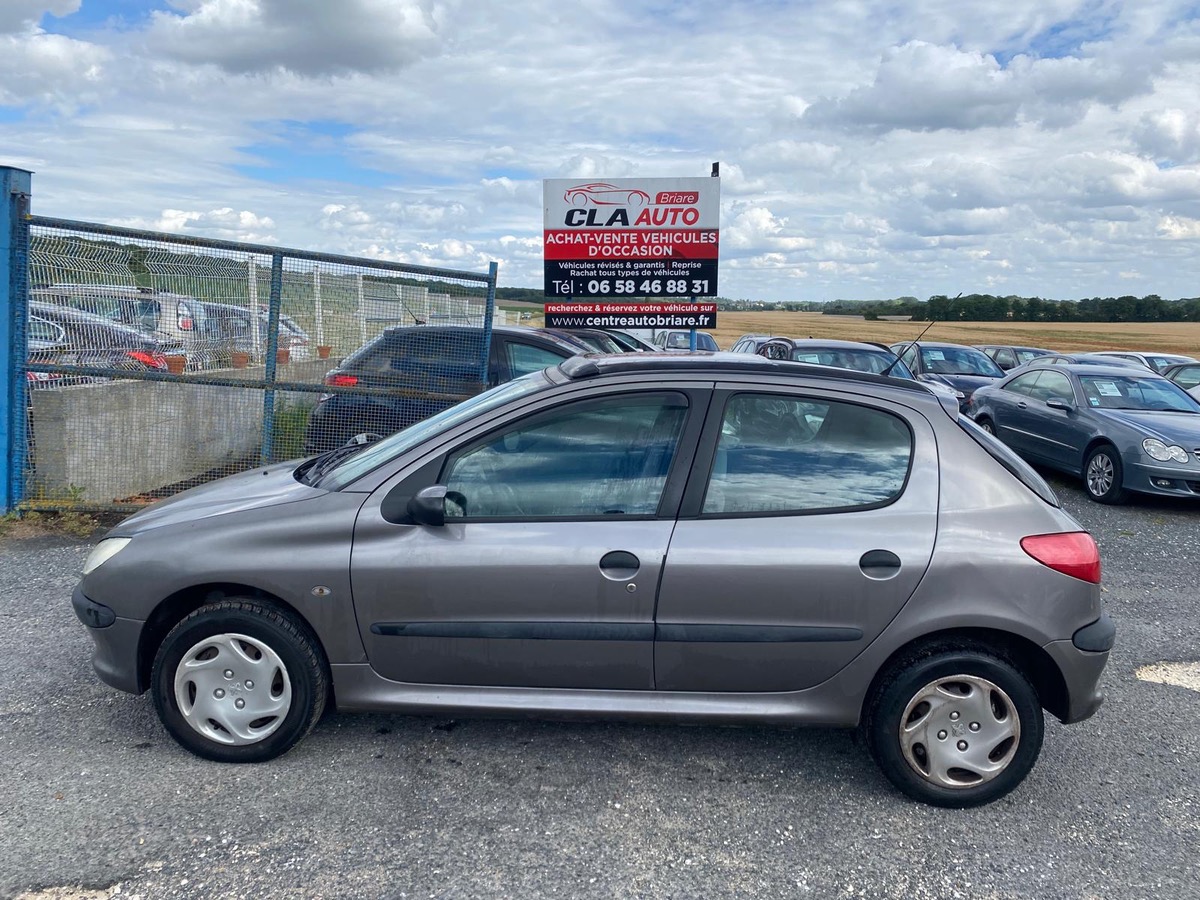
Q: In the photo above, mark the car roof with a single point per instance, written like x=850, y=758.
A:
x=1085, y=369
x=834, y=344
x=718, y=364
x=935, y=344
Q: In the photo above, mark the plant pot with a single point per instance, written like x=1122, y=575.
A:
x=323, y=351
x=283, y=356
x=239, y=359
x=176, y=363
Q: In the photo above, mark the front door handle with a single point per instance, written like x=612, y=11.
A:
x=1021, y=404
x=619, y=565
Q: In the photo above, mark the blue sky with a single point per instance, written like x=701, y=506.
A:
x=868, y=149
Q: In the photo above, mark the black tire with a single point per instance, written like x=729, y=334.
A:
x=1103, y=473
x=293, y=669
x=986, y=424
x=947, y=773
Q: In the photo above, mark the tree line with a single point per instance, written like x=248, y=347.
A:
x=993, y=308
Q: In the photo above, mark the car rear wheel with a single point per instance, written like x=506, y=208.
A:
x=239, y=681
x=955, y=728
x=1103, y=473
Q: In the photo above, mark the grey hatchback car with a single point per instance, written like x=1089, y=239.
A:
x=719, y=538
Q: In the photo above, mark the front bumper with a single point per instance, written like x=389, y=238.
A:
x=1163, y=478
x=115, y=657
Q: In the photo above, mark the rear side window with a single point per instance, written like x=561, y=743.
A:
x=525, y=358
x=1020, y=469
x=782, y=454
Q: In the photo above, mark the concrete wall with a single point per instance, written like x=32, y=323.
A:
x=97, y=443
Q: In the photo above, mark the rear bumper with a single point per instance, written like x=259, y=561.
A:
x=1081, y=668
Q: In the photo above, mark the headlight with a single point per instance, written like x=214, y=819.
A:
x=103, y=552
x=1156, y=449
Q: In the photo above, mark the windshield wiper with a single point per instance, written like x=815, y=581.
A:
x=329, y=459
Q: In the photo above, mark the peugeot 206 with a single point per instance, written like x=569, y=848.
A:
x=720, y=538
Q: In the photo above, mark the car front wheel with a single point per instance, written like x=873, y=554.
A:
x=986, y=424
x=955, y=728
x=239, y=681
x=1103, y=473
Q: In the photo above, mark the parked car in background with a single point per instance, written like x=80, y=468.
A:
x=631, y=342
x=1119, y=428
x=229, y=327
x=1155, y=362
x=410, y=372
x=1008, y=357
x=861, y=356
x=593, y=340
x=175, y=317
x=1186, y=375
x=1085, y=359
x=65, y=336
x=749, y=343
x=628, y=536
x=961, y=367
x=682, y=340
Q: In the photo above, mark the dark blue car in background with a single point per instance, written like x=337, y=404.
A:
x=408, y=373
x=1119, y=428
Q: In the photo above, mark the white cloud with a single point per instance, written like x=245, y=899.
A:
x=23, y=15
x=308, y=37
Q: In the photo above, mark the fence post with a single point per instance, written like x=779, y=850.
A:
x=488, y=312
x=268, y=436
x=15, y=189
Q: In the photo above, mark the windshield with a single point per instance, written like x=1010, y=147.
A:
x=859, y=360
x=1158, y=363
x=1132, y=392
x=958, y=361
x=390, y=447
x=1026, y=356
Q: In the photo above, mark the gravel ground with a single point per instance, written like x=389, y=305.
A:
x=97, y=802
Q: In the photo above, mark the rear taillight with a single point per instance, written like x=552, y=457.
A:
x=151, y=360
x=340, y=380
x=1073, y=553
x=185, y=324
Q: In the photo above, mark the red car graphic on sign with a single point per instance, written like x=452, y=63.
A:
x=601, y=193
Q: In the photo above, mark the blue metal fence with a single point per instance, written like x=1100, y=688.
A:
x=137, y=363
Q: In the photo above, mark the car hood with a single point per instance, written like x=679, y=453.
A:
x=965, y=383
x=1170, y=427
x=271, y=486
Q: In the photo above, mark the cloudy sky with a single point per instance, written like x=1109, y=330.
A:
x=868, y=148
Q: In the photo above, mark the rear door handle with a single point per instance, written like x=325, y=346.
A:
x=879, y=563
x=1021, y=404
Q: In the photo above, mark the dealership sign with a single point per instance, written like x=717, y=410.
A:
x=634, y=237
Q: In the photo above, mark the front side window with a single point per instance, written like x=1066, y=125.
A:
x=781, y=454
x=1053, y=384
x=1004, y=358
x=597, y=458
x=525, y=358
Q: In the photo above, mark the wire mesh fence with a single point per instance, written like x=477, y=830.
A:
x=155, y=362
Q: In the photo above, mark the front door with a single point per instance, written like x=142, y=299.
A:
x=804, y=531
x=545, y=572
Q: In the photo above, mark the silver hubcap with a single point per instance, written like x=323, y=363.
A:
x=233, y=689
x=1100, y=474
x=960, y=732
x=987, y=426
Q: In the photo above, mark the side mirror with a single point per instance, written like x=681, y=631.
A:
x=1056, y=403
x=428, y=506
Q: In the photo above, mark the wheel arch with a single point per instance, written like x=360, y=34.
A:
x=1023, y=654
x=1096, y=441
x=178, y=606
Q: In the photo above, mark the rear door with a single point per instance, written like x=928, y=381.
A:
x=808, y=522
